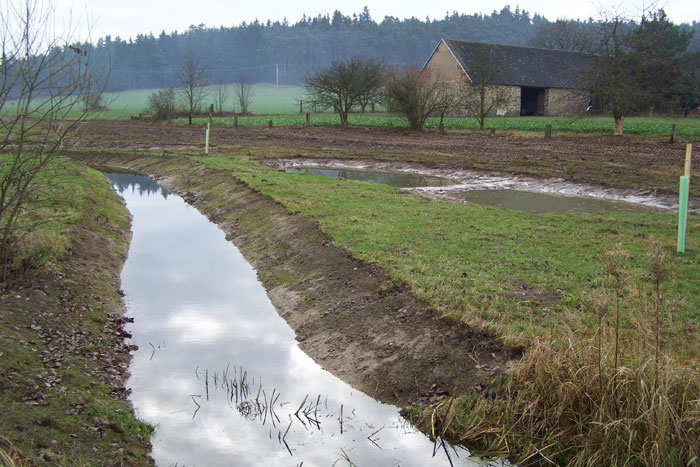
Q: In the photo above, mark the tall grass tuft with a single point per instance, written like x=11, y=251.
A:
x=611, y=399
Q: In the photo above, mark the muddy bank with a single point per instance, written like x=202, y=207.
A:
x=461, y=179
x=63, y=355
x=350, y=316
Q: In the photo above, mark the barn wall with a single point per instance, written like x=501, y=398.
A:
x=443, y=65
x=565, y=102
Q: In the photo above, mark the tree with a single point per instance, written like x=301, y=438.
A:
x=565, y=34
x=343, y=84
x=481, y=96
x=162, y=104
x=220, y=97
x=45, y=81
x=689, y=97
x=243, y=89
x=657, y=46
x=614, y=86
x=415, y=97
x=638, y=68
x=191, y=83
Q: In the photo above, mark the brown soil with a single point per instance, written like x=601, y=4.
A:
x=349, y=316
x=605, y=160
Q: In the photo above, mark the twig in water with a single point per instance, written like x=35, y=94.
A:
x=198, y=406
x=374, y=441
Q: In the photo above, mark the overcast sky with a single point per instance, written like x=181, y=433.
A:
x=126, y=18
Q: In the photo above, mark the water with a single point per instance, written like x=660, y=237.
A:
x=397, y=179
x=545, y=202
x=220, y=373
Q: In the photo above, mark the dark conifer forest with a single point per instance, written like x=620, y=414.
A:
x=285, y=53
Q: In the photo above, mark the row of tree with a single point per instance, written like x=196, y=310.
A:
x=284, y=53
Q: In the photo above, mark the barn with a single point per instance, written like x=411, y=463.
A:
x=534, y=81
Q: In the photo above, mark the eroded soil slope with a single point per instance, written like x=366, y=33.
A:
x=348, y=315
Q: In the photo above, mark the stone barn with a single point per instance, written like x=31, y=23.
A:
x=534, y=81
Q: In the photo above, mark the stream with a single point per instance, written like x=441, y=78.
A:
x=220, y=374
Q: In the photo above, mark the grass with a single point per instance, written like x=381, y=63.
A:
x=688, y=128
x=267, y=99
x=53, y=333
x=537, y=281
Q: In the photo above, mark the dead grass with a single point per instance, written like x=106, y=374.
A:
x=614, y=398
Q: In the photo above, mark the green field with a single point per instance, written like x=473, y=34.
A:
x=660, y=126
x=267, y=99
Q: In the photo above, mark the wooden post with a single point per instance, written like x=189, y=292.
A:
x=211, y=114
x=308, y=119
x=548, y=132
x=688, y=157
x=301, y=107
x=269, y=124
x=235, y=120
x=673, y=133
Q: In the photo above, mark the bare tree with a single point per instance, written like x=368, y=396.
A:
x=614, y=85
x=565, y=34
x=416, y=98
x=243, y=89
x=482, y=96
x=191, y=83
x=45, y=81
x=221, y=92
x=344, y=83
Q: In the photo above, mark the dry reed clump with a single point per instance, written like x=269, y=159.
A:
x=613, y=399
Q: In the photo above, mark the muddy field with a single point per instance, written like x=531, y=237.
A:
x=624, y=162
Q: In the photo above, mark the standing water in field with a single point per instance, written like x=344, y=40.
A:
x=219, y=372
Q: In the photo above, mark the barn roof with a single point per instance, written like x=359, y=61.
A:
x=525, y=66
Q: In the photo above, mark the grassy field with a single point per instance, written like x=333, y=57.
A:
x=569, y=288
x=688, y=128
x=281, y=105
x=267, y=99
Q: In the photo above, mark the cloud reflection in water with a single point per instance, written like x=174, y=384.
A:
x=199, y=309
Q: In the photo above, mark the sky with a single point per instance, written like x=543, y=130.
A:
x=127, y=18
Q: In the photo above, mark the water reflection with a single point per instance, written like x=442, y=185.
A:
x=546, y=202
x=202, y=322
x=397, y=179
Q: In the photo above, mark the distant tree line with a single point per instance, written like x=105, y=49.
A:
x=286, y=53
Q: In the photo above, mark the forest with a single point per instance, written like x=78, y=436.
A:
x=284, y=53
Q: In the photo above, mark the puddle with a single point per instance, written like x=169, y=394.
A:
x=397, y=179
x=454, y=183
x=219, y=372
x=546, y=202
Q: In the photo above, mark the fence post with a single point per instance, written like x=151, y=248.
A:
x=308, y=119
x=548, y=132
x=269, y=124
x=673, y=133
x=235, y=120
